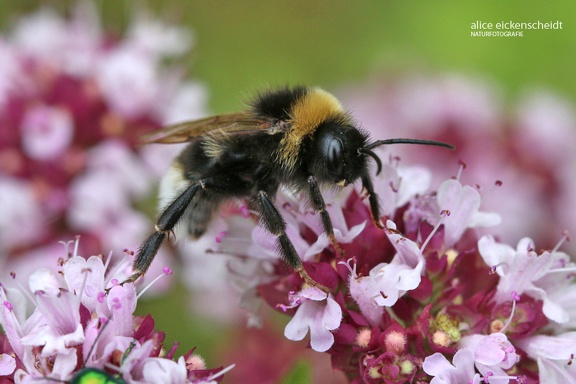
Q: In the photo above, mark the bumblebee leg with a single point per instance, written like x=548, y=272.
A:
x=373, y=200
x=275, y=224
x=165, y=223
x=319, y=206
x=172, y=214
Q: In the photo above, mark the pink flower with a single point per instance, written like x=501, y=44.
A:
x=554, y=355
x=315, y=315
x=397, y=185
x=387, y=281
x=364, y=290
x=526, y=143
x=493, y=354
x=462, y=370
x=463, y=203
x=71, y=123
x=46, y=132
x=20, y=210
x=76, y=323
x=522, y=269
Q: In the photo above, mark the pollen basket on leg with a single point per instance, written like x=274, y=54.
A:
x=306, y=115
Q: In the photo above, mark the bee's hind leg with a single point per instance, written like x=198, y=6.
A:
x=165, y=223
x=168, y=219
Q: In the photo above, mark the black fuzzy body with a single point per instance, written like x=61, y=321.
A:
x=298, y=137
x=244, y=168
x=307, y=141
x=247, y=164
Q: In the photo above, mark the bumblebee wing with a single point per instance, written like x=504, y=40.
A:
x=233, y=123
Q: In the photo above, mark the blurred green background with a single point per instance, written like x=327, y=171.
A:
x=250, y=44
x=241, y=46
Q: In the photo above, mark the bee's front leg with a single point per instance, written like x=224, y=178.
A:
x=373, y=200
x=319, y=206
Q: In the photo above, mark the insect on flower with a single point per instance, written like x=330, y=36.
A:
x=95, y=376
x=297, y=137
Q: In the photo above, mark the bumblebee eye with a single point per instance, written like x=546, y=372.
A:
x=335, y=163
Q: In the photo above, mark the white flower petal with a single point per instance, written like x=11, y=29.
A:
x=160, y=370
x=44, y=280
x=7, y=364
x=332, y=316
x=298, y=327
x=321, y=339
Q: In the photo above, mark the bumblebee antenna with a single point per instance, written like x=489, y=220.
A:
x=378, y=143
x=367, y=150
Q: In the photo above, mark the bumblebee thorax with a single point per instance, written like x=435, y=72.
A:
x=309, y=112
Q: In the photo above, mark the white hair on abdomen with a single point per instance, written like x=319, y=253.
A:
x=171, y=186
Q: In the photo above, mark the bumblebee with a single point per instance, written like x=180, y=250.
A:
x=300, y=137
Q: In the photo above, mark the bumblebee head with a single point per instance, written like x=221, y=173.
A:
x=336, y=158
x=342, y=151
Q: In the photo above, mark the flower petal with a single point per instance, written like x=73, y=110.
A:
x=7, y=364
x=162, y=370
x=297, y=328
x=45, y=281
x=332, y=316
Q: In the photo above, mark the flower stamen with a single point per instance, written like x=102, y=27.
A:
x=166, y=272
x=66, y=245
x=76, y=244
x=22, y=289
x=494, y=267
x=222, y=372
x=489, y=192
x=462, y=166
x=565, y=238
x=350, y=264
x=443, y=214
x=85, y=271
x=515, y=298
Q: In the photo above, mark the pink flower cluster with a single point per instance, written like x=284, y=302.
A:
x=428, y=298
x=525, y=140
x=81, y=318
x=73, y=103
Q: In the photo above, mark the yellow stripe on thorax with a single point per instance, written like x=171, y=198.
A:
x=305, y=116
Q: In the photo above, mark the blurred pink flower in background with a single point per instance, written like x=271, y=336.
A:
x=73, y=103
x=527, y=144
